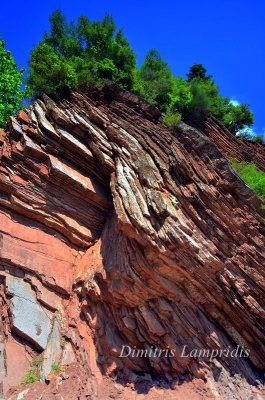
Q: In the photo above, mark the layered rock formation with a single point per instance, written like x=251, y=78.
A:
x=117, y=232
x=234, y=147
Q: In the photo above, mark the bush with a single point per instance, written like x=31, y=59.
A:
x=63, y=341
x=171, y=119
x=238, y=117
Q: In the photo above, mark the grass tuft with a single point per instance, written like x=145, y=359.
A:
x=31, y=377
x=254, y=177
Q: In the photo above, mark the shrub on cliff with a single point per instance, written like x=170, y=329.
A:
x=11, y=94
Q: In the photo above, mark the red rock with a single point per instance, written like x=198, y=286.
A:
x=18, y=364
x=134, y=235
x=36, y=251
x=2, y=136
x=23, y=117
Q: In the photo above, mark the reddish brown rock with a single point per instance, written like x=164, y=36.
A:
x=147, y=239
x=18, y=363
x=235, y=147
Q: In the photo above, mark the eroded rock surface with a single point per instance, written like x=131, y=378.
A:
x=125, y=234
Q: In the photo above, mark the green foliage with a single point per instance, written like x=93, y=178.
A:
x=77, y=53
x=56, y=368
x=237, y=117
x=171, y=119
x=154, y=80
x=254, y=177
x=198, y=71
x=74, y=54
x=11, y=94
x=174, y=201
x=49, y=72
x=36, y=361
x=31, y=377
x=206, y=100
x=181, y=94
x=63, y=341
x=197, y=97
x=200, y=105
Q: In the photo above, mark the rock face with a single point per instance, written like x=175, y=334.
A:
x=117, y=234
x=234, y=147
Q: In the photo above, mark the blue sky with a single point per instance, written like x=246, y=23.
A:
x=226, y=36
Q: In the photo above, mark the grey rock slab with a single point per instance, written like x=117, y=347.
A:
x=29, y=319
x=53, y=351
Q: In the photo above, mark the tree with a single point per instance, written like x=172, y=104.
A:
x=154, y=80
x=200, y=105
x=74, y=54
x=238, y=117
x=206, y=100
x=181, y=95
x=57, y=37
x=124, y=59
x=50, y=73
x=11, y=94
x=198, y=71
x=180, y=98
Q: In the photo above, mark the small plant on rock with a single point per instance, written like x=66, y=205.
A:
x=56, y=368
x=171, y=119
x=36, y=361
x=174, y=201
x=63, y=341
x=31, y=377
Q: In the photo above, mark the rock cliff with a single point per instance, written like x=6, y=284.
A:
x=116, y=233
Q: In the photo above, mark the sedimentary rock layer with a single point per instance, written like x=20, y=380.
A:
x=140, y=236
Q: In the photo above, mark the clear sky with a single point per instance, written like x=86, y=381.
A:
x=226, y=36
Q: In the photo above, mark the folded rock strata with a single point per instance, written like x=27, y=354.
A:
x=117, y=232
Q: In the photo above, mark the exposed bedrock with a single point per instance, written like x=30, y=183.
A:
x=117, y=232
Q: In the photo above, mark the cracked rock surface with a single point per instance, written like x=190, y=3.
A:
x=116, y=232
